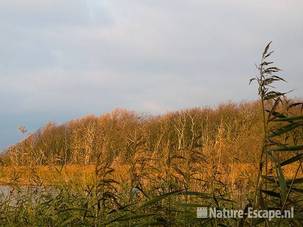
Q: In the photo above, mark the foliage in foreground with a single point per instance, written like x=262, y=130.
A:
x=282, y=145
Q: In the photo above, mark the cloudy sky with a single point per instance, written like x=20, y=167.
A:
x=62, y=59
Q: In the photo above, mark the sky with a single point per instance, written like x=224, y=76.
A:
x=62, y=59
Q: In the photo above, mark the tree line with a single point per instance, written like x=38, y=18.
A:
x=231, y=131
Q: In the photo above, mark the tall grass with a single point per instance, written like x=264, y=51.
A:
x=282, y=144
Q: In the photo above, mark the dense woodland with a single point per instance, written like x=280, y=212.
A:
x=122, y=133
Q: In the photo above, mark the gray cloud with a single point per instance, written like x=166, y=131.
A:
x=62, y=59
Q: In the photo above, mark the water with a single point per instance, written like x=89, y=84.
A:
x=32, y=193
x=5, y=190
